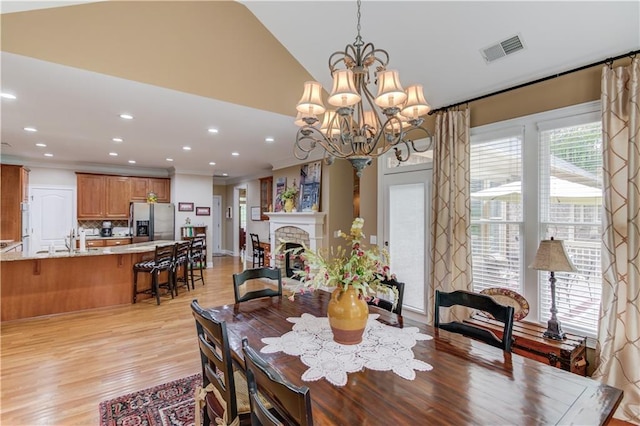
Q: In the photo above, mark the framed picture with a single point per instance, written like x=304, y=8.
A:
x=255, y=213
x=203, y=211
x=281, y=185
x=185, y=207
x=310, y=178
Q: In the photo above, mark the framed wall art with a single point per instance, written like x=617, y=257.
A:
x=185, y=207
x=203, y=211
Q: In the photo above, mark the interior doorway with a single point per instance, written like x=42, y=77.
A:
x=238, y=215
x=216, y=225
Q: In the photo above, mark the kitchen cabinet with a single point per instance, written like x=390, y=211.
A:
x=91, y=196
x=91, y=243
x=117, y=197
x=117, y=242
x=266, y=197
x=14, y=182
x=140, y=187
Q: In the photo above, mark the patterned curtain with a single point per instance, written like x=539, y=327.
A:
x=618, y=351
x=450, y=210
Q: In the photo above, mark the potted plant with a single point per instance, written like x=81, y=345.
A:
x=355, y=273
x=289, y=195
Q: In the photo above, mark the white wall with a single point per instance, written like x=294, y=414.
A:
x=198, y=190
x=52, y=177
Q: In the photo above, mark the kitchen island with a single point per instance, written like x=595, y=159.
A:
x=43, y=284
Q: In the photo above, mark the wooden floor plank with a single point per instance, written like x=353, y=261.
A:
x=56, y=370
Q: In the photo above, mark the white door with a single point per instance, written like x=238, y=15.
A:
x=217, y=225
x=52, y=216
x=406, y=232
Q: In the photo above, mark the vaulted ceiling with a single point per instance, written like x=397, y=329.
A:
x=181, y=68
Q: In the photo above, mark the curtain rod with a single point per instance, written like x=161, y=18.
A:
x=540, y=80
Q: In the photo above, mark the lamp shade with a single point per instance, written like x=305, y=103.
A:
x=416, y=105
x=390, y=92
x=552, y=256
x=344, y=91
x=311, y=101
x=329, y=126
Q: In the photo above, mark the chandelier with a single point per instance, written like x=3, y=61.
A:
x=362, y=126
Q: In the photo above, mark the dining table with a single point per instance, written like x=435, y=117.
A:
x=469, y=382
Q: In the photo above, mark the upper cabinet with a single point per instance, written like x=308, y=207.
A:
x=91, y=196
x=140, y=187
x=108, y=197
x=266, y=196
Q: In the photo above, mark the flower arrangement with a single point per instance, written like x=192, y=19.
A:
x=357, y=266
x=289, y=193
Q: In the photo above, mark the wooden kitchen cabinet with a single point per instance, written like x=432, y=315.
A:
x=14, y=182
x=91, y=243
x=91, y=196
x=117, y=242
x=118, y=190
x=266, y=196
x=140, y=187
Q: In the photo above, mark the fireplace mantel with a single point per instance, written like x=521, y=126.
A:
x=310, y=222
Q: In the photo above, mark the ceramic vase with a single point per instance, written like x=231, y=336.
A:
x=288, y=205
x=348, y=313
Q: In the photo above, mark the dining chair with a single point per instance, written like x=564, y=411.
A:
x=252, y=277
x=228, y=398
x=162, y=262
x=258, y=251
x=387, y=304
x=197, y=259
x=479, y=302
x=288, y=404
x=180, y=264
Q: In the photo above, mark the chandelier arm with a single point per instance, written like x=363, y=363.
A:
x=428, y=134
x=343, y=56
x=308, y=138
x=370, y=55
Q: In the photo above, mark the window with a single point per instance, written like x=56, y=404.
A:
x=533, y=178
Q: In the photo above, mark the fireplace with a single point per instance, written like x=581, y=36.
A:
x=299, y=228
x=292, y=262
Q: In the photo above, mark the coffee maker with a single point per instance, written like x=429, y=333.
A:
x=106, y=230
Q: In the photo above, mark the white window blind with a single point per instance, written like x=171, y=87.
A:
x=496, y=211
x=570, y=203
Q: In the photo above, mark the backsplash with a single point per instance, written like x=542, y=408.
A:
x=93, y=227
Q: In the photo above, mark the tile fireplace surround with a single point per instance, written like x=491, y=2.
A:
x=310, y=222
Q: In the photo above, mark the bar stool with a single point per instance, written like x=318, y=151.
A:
x=197, y=259
x=162, y=261
x=181, y=261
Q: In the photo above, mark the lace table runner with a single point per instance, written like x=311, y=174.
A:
x=383, y=348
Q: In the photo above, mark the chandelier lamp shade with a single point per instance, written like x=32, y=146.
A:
x=359, y=126
x=552, y=256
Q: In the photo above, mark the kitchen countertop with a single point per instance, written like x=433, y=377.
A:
x=113, y=237
x=93, y=251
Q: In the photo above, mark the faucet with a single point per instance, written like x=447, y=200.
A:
x=71, y=244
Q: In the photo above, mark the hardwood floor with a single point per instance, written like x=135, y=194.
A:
x=56, y=370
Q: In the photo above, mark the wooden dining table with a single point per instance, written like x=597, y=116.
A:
x=471, y=383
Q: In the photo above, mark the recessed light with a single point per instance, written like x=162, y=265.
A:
x=132, y=161
x=30, y=129
x=117, y=140
x=211, y=163
x=235, y=154
x=186, y=148
x=169, y=159
x=41, y=145
x=113, y=154
x=269, y=140
x=47, y=154
x=212, y=130
x=225, y=174
x=7, y=96
x=126, y=116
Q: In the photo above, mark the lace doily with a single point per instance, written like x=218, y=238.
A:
x=383, y=348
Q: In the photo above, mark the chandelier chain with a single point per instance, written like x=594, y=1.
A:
x=358, y=37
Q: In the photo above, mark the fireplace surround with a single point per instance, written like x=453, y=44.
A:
x=310, y=223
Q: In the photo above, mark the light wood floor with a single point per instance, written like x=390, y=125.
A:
x=56, y=370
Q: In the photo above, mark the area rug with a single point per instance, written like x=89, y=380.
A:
x=169, y=404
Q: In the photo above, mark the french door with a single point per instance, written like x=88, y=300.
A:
x=406, y=232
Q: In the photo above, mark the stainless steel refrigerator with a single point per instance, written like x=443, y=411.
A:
x=152, y=221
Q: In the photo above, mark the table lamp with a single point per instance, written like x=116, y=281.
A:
x=552, y=256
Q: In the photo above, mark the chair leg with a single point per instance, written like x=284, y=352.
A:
x=135, y=286
x=201, y=275
x=156, y=287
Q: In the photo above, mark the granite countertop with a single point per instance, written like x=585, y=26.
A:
x=113, y=237
x=93, y=251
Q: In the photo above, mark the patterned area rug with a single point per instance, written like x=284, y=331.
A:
x=170, y=404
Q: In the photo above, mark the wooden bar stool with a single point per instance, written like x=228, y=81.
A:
x=162, y=261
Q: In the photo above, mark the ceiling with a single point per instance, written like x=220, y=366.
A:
x=183, y=67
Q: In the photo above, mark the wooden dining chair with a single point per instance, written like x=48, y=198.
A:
x=251, y=277
x=387, y=304
x=162, y=262
x=230, y=398
x=258, y=251
x=479, y=302
x=288, y=404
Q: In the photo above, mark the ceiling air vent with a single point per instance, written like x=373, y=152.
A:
x=502, y=49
